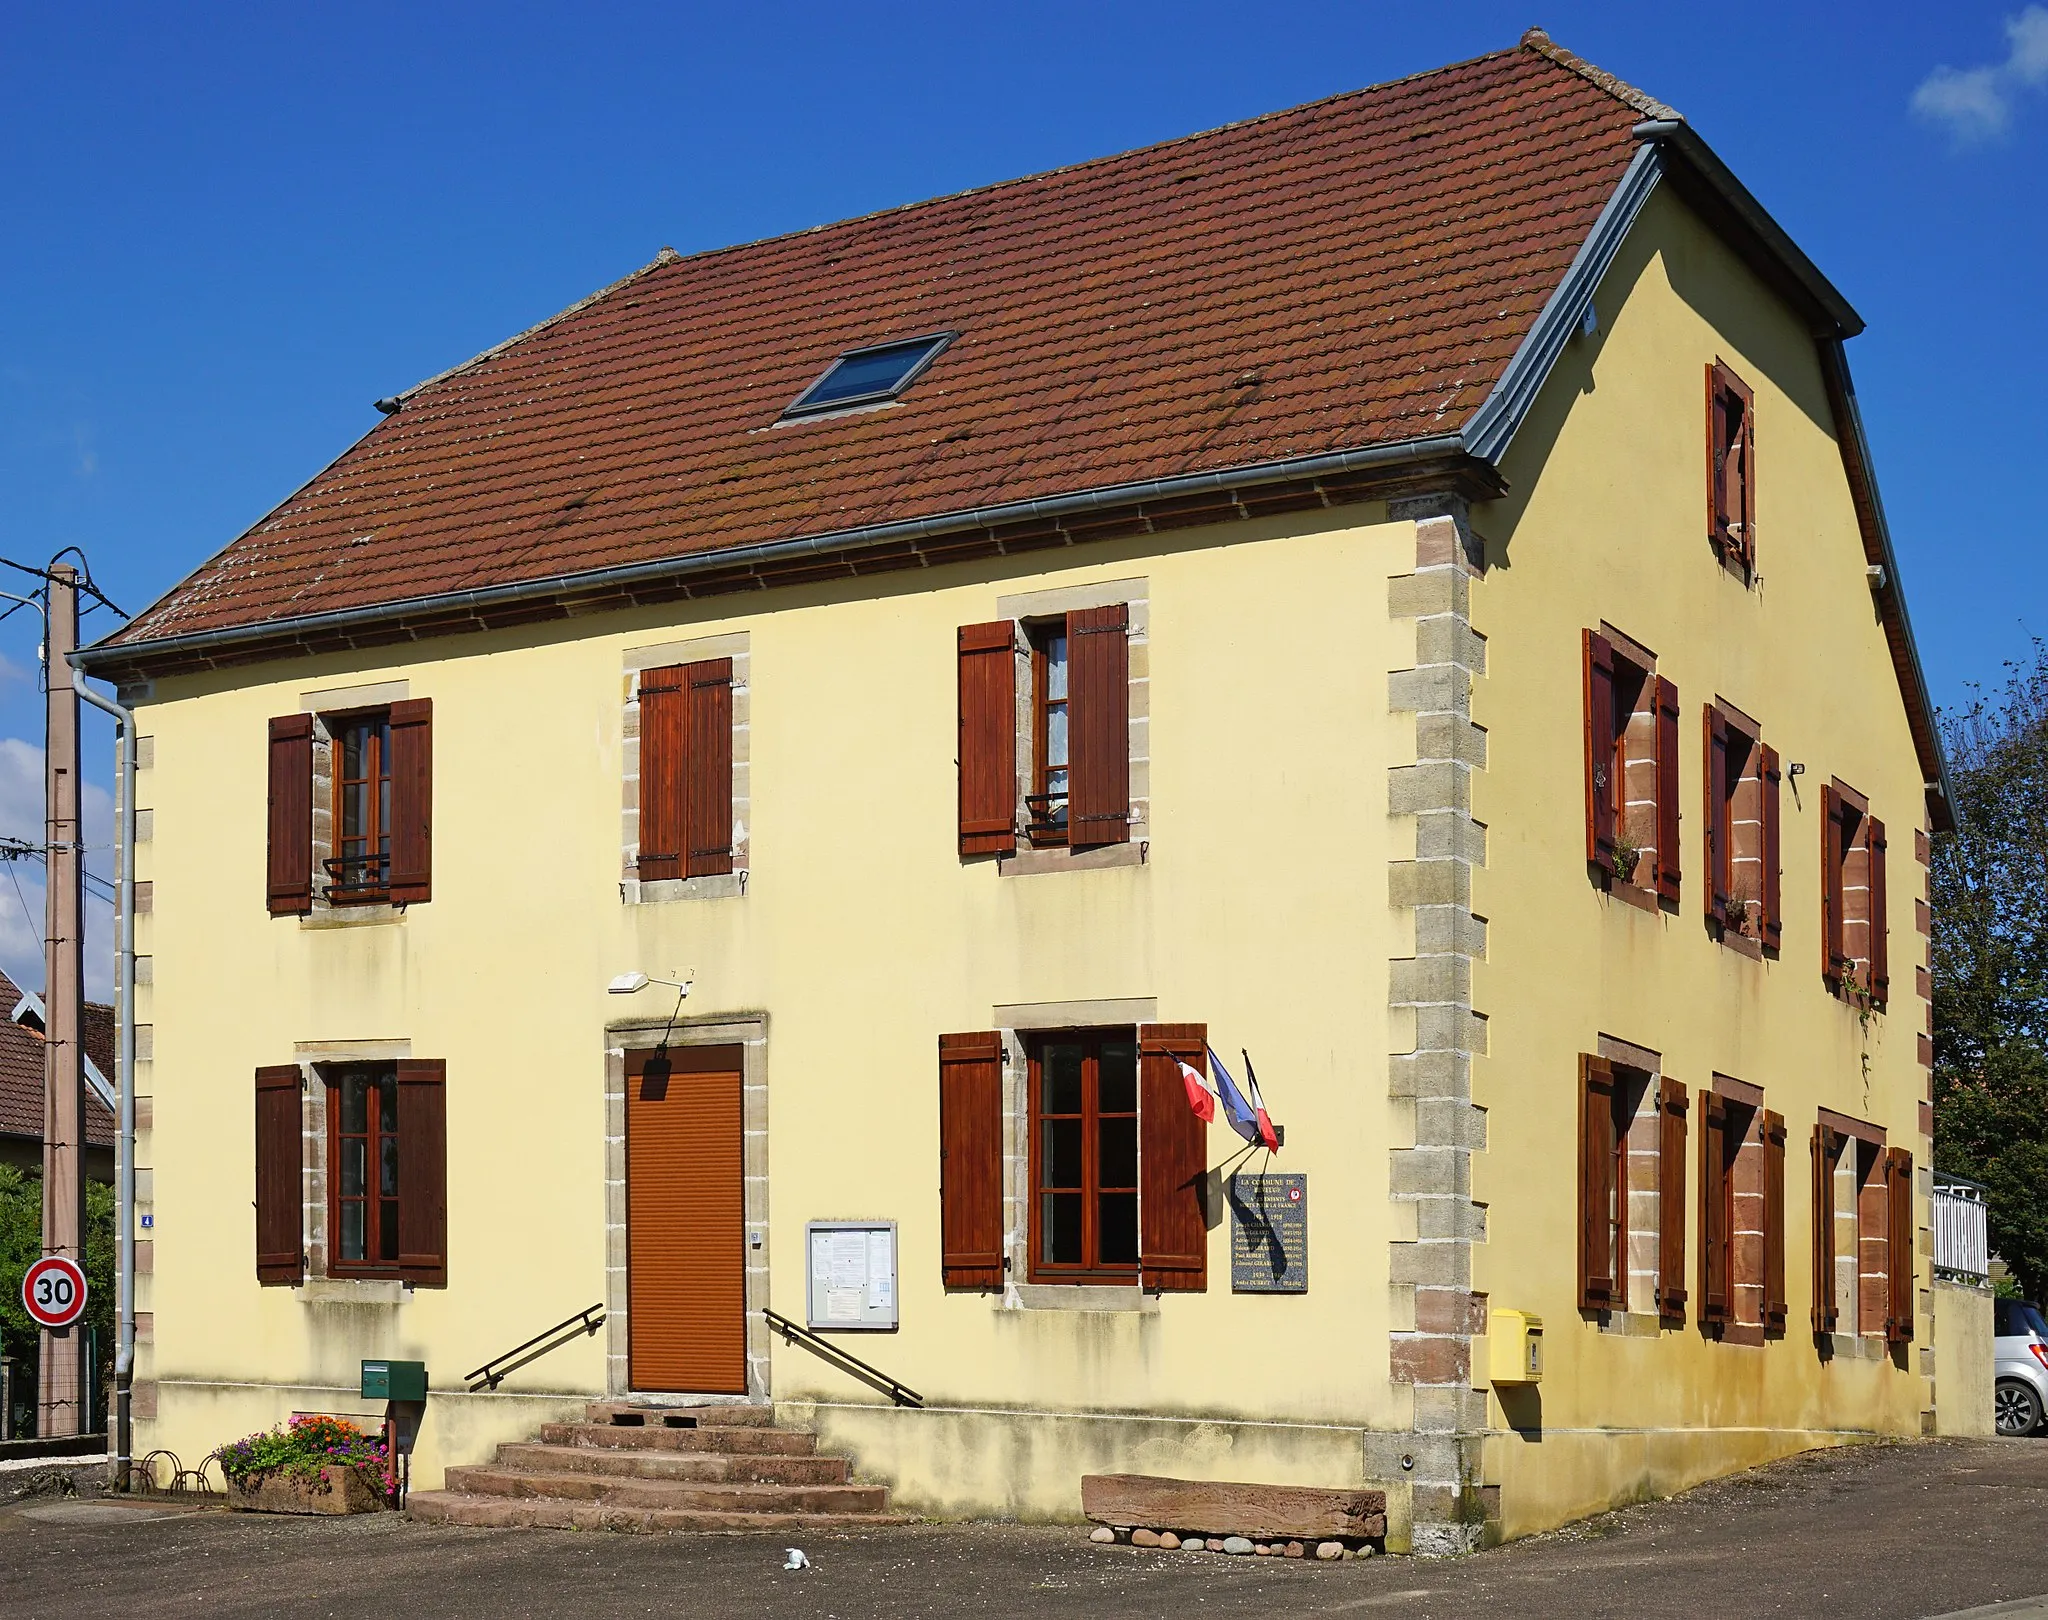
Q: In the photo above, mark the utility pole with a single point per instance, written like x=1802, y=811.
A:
x=63, y=1373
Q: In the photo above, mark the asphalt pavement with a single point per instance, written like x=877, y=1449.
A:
x=1907, y=1530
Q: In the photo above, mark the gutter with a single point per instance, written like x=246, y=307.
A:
x=124, y=1076
x=1408, y=452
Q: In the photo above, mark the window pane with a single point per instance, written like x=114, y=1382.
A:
x=384, y=804
x=1118, y=1078
x=352, y=1232
x=387, y=1103
x=1056, y=738
x=387, y=1229
x=880, y=371
x=355, y=1153
x=1117, y=1164
x=1060, y=1154
x=387, y=1166
x=355, y=1115
x=1056, y=668
x=355, y=810
x=1116, y=1232
x=1060, y=1229
x=1061, y=1084
x=353, y=738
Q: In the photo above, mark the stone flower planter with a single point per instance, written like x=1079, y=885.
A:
x=332, y=1490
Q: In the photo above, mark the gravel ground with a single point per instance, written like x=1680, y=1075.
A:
x=1873, y=1531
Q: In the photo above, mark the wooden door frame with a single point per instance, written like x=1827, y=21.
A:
x=750, y=1034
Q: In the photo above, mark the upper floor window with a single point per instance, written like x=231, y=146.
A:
x=685, y=825
x=1854, y=935
x=1631, y=767
x=1070, y=782
x=372, y=772
x=1742, y=833
x=1731, y=470
x=1047, y=801
x=360, y=868
x=869, y=376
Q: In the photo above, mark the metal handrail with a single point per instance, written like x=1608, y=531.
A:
x=358, y=874
x=844, y=1360
x=490, y=1375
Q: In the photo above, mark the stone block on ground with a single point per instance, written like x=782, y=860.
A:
x=1226, y=1508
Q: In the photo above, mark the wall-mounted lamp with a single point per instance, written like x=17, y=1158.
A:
x=628, y=983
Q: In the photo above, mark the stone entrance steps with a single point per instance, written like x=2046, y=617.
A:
x=648, y=1468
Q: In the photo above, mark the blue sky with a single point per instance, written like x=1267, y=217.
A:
x=231, y=227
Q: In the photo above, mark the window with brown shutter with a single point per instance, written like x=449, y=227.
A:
x=971, y=1159
x=1775, y=1308
x=280, y=1177
x=1631, y=765
x=1855, y=954
x=1597, y=1189
x=1084, y=1156
x=1099, y=722
x=1901, y=1274
x=1173, y=1160
x=1717, y=1213
x=290, y=857
x=412, y=801
x=987, y=680
x=387, y=1170
x=1826, y=1147
x=685, y=827
x=1731, y=470
x=1671, y=1290
x=1737, y=891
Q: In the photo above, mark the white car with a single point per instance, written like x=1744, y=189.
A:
x=2020, y=1359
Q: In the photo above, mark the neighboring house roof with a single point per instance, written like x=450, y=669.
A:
x=1306, y=307
x=21, y=1066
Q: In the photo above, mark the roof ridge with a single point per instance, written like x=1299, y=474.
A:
x=1535, y=39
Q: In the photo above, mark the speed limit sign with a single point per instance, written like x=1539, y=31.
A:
x=53, y=1290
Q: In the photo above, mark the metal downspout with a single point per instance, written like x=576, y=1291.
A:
x=124, y=1184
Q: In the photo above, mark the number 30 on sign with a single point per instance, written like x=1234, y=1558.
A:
x=53, y=1291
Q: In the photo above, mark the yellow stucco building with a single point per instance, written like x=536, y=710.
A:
x=1392, y=595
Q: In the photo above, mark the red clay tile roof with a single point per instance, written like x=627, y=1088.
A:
x=21, y=1071
x=1354, y=272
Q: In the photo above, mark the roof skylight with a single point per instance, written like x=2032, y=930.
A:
x=866, y=376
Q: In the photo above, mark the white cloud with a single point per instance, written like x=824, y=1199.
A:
x=1976, y=104
x=21, y=881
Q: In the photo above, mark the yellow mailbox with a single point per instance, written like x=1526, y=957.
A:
x=1516, y=1356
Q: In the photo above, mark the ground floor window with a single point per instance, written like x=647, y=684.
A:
x=362, y=1133
x=1084, y=1156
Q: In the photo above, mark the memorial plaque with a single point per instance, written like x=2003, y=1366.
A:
x=1269, y=1234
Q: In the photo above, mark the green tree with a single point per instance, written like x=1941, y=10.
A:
x=1990, y=962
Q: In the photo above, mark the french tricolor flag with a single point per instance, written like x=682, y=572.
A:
x=1247, y=1117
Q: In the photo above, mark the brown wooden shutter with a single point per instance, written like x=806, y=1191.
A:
x=1671, y=1291
x=1901, y=1275
x=1720, y=850
x=1667, y=790
x=707, y=768
x=988, y=738
x=1716, y=1211
x=1717, y=458
x=1746, y=503
x=971, y=1159
x=1773, y=896
x=423, y=1171
x=1880, y=941
x=412, y=801
x=290, y=881
x=1775, y=1306
x=1173, y=1160
x=1596, y=1183
x=1825, y=1143
x=1831, y=885
x=1099, y=706
x=1601, y=788
x=280, y=1177
x=664, y=717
